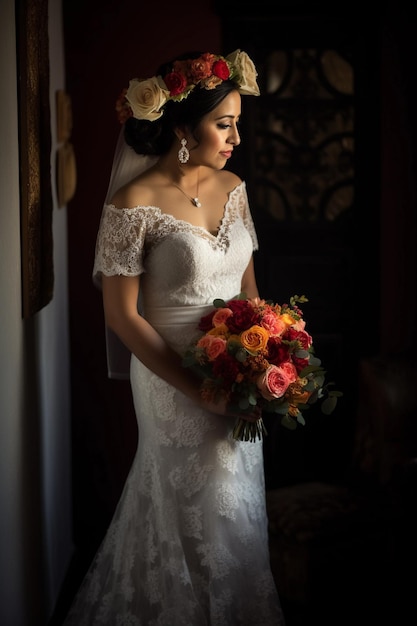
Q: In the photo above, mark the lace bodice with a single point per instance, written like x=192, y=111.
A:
x=181, y=264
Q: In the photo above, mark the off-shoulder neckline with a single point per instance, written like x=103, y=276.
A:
x=231, y=193
x=217, y=236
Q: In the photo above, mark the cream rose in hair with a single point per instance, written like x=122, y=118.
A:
x=147, y=97
x=244, y=72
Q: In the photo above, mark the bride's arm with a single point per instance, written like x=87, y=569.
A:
x=249, y=286
x=120, y=296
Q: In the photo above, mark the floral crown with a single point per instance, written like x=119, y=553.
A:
x=145, y=98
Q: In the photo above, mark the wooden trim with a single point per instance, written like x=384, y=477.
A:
x=34, y=154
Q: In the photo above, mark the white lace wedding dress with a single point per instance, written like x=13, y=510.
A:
x=188, y=543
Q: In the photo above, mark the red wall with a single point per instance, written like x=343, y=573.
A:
x=111, y=41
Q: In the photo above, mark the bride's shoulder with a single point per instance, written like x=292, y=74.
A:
x=138, y=192
x=227, y=180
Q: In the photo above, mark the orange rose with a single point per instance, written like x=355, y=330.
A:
x=221, y=329
x=287, y=319
x=254, y=339
x=200, y=68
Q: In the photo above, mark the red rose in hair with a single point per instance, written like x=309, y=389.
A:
x=199, y=69
x=221, y=69
x=175, y=82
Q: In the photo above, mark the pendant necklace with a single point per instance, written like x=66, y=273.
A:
x=195, y=201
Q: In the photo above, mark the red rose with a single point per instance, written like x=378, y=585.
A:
x=175, y=82
x=277, y=352
x=305, y=340
x=300, y=364
x=226, y=368
x=221, y=69
x=243, y=316
x=206, y=322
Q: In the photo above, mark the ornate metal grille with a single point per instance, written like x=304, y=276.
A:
x=303, y=165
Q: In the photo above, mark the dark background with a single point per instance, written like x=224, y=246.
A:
x=111, y=41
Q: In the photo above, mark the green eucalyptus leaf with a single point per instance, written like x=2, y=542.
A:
x=314, y=360
x=252, y=399
x=241, y=355
x=243, y=403
x=300, y=419
x=281, y=409
x=328, y=405
x=288, y=422
x=310, y=369
x=187, y=360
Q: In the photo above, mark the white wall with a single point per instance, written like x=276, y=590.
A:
x=54, y=361
x=11, y=334
x=35, y=509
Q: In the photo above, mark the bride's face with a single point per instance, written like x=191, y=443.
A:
x=218, y=133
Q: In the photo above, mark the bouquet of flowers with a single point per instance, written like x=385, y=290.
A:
x=259, y=354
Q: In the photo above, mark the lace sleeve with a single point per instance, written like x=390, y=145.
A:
x=247, y=217
x=119, y=246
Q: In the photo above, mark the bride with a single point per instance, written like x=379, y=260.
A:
x=188, y=543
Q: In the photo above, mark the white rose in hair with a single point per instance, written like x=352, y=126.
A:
x=147, y=97
x=244, y=72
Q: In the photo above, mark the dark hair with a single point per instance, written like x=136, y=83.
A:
x=156, y=137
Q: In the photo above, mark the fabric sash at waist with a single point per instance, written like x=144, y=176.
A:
x=176, y=315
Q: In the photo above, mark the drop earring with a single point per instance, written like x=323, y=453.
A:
x=183, y=152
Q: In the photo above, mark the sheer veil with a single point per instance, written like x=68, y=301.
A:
x=126, y=165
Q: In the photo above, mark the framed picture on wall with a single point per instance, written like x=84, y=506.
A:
x=34, y=154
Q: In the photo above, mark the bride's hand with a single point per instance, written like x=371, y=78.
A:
x=221, y=406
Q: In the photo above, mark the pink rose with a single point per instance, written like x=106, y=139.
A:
x=299, y=324
x=273, y=383
x=220, y=316
x=212, y=345
x=273, y=324
x=290, y=371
